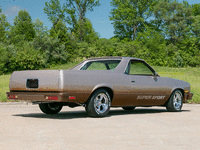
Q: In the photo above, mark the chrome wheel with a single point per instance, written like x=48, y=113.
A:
x=177, y=100
x=101, y=103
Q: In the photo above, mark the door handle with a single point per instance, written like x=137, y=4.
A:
x=132, y=81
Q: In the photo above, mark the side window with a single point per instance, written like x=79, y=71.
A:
x=138, y=68
x=97, y=66
x=101, y=65
x=112, y=65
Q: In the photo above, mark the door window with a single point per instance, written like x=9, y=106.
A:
x=138, y=68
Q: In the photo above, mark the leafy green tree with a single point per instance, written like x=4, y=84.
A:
x=25, y=57
x=53, y=51
x=196, y=9
x=54, y=10
x=195, y=26
x=98, y=48
x=129, y=16
x=77, y=10
x=155, y=43
x=174, y=18
x=40, y=29
x=60, y=31
x=3, y=58
x=3, y=27
x=20, y=58
x=73, y=12
x=85, y=28
x=23, y=28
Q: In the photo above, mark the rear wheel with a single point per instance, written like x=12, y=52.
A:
x=128, y=108
x=50, y=108
x=99, y=104
x=175, y=101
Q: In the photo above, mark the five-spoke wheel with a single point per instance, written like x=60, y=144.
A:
x=99, y=104
x=175, y=101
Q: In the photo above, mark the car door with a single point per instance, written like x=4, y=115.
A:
x=145, y=87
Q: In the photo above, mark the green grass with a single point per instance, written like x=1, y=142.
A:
x=191, y=75
x=4, y=87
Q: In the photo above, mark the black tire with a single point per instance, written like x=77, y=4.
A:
x=99, y=104
x=50, y=108
x=175, y=101
x=128, y=108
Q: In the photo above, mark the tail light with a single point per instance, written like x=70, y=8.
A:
x=72, y=97
x=51, y=97
x=12, y=97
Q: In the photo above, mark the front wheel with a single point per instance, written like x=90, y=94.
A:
x=99, y=104
x=50, y=108
x=175, y=101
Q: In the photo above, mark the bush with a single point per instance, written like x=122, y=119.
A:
x=26, y=58
x=4, y=58
x=99, y=48
x=190, y=51
x=20, y=58
x=104, y=47
x=53, y=52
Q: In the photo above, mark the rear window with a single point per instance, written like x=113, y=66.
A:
x=101, y=65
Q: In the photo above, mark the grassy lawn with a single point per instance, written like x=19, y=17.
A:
x=191, y=75
x=4, y=87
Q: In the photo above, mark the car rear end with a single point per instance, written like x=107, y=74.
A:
x=37, y=85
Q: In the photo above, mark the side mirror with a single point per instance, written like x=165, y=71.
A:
x=156, y=74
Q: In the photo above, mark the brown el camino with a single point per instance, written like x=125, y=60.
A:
x=98, y=84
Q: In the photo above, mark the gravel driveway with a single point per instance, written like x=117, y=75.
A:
x=26, y=127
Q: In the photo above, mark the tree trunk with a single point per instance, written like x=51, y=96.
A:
x=134, y=31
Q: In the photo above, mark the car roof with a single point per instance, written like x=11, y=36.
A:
x=121, y=67
x=112, y=57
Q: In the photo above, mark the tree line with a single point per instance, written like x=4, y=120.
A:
x=163, y=32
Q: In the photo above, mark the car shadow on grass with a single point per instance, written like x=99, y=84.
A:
x=83, y=114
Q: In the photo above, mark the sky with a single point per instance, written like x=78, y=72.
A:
x=99, y=17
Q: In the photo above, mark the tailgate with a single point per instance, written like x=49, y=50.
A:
x=36, y=80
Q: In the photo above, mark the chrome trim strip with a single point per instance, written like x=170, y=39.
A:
x=61, y=80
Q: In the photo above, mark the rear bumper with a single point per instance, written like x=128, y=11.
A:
x=38, y=96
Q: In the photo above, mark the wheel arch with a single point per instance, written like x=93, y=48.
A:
x=176, y=88
x=107, y=87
